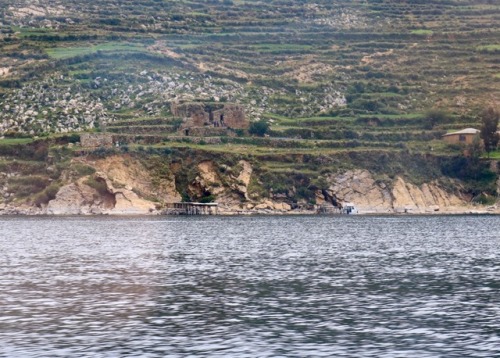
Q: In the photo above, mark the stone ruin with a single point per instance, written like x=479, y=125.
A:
x=96, y=140
x=209, y=118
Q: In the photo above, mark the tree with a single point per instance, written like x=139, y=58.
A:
x=473, y=154
x=489, y=126
x=259, y=128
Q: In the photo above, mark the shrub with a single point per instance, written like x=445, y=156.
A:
x=73, y=138
x=47, y=195
x=82, y=169
x=98, y=184
x=259, y=128
x=239, y=132
x=436, y=116
x=485, y=199
x=207, y=199
x=27, y=185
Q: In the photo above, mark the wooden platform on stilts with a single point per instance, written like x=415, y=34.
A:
x=191, y=209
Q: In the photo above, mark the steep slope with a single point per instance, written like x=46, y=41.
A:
x=356, y=96
x=139, y=183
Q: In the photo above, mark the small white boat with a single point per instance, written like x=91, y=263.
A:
x=349, y=209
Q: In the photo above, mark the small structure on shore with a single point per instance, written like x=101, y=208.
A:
x=349, y=209
x=346, y=208
x=465, y=136
x=191, y=209
x=328, y=209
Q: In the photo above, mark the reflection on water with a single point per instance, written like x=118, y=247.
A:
x=250, y=287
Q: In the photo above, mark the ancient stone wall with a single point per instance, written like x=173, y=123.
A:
x=217, y=115
x=96, y=140
x=232, y=116
x=193, y=114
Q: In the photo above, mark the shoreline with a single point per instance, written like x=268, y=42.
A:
x=13, y=212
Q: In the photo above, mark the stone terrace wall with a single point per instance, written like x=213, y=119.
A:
x=205, y=131
x=96, y=140
x=196, y=140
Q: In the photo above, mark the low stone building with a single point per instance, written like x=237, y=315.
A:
x=96, y=140
x=465, y=136
x=196, y=115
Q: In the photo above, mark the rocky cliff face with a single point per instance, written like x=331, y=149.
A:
x=127, y=172
x=371, y=196
x=123, y=185
x=81, y=198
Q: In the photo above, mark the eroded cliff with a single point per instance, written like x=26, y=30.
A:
x=131, y=185
x=399, y=196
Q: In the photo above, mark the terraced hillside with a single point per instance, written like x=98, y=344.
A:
x=342, y=58
x=340, y=79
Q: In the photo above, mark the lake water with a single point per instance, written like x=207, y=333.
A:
x=250, y=287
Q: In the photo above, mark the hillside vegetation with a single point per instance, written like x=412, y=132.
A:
x=350, y=81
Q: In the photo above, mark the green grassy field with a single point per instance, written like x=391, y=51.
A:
x=13, y=141
x=68, y=52
x=494, y=155
x=489, y=48
x=422, y=32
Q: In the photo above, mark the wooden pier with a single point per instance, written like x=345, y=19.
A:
x=346, y=208
x=191, y=209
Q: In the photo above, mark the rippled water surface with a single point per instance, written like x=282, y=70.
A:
x=250, y=287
